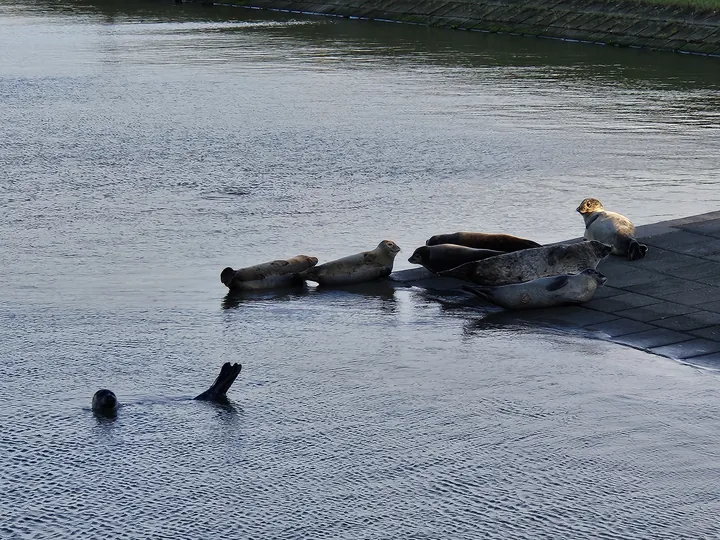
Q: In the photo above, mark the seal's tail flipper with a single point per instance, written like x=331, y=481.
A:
x=482, y=292
x=228, y=374
x=636, y=250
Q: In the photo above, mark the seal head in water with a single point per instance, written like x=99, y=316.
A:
x=104, y=401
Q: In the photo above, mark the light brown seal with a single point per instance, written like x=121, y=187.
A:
x=610, y=228
x=358, y=268
x=270, y=275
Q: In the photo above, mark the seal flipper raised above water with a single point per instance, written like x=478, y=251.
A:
x=218, y=390
x=610, y=228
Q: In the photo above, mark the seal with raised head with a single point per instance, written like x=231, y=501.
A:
x=532, y=263
x=610, y=228
x=543, y=292
x=499, y=242
x=104, y=402
x=357, y=268
x=441, y=257
x=269, y=275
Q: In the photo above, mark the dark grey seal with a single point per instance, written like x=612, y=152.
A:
x=105, y=402
x=446, y=256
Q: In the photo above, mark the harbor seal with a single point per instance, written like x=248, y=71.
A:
x=439, y=257
x=498, y=242
x=104, y=402
x=611, y=228
x=543, y=292
x=532, y=263
x=270, y=275
x=358, y=268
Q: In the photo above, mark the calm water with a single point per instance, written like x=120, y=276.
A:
x=143, y=150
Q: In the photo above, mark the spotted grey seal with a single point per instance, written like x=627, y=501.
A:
x=105, y=402
x=439, y=257
x=498, y=242
x=543, y=292
x=270, y=275
x=356, y=268
x=532, y=263
x=610, y=228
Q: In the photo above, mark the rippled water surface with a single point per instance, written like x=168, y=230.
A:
x=145, y=146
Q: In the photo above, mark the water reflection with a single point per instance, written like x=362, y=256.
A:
x=234, y=299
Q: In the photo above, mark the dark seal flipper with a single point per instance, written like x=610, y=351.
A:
x=218, y=390
x=482, y=292
x=636, y=250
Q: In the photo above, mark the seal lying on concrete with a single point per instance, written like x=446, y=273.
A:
x=358, y=268
x=270, y=275
x=105, y=402
x=611, y=228
x=439, y=257
x=543, y=292
x=532, y=263
x=498, y=242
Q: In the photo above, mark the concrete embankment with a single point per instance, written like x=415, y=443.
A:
x=667, y=303
x=630, y=24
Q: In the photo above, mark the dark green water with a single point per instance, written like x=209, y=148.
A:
x=145, y=146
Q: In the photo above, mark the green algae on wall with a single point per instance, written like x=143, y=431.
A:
x=625, y=23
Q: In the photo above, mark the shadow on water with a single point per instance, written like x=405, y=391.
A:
x=352, y=40
x=234, y=299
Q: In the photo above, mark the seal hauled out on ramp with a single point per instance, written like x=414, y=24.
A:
x=441, y=257
x=610, y=228
x=357, y=268
x=533, y=263
x=543, y=292
x=105, y=402
x=478, y=240
x=269, y=275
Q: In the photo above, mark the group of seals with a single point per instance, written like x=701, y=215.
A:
x=357, y=268
x=517, y=273
x=105, y=403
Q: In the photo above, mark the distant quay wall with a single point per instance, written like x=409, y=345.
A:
x=624, y=24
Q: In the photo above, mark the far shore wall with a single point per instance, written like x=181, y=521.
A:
x=627, y=24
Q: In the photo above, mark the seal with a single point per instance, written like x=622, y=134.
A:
x=357, y=268
x=543, y=292
x=532, y=263
x=106, y=403
x=499, y=242
x=439, y=257
x=611, y=228
x=269, y=275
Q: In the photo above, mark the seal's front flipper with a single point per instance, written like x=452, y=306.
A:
x=228, y=374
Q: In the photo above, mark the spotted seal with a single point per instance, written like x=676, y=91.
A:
x=610, y=228
x=357, y=268
x=532, y=263
x=543, y=292
x=270, y=275
x=439, y=257
x=478, y=240
x=104, y=402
